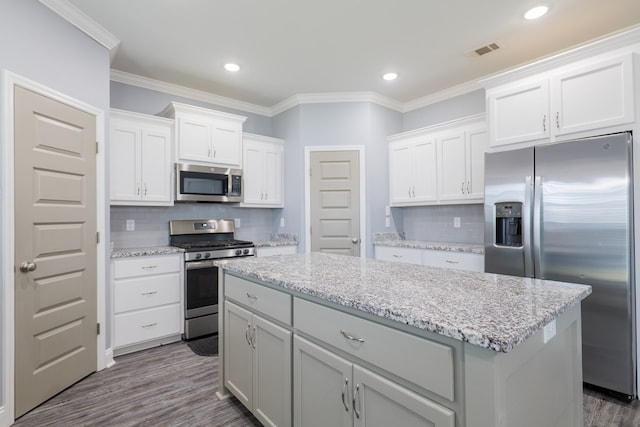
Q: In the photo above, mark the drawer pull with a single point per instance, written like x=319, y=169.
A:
x=350, y=337
x=149, y=293
x=149, y=325
x=246, y=334
x=344, y=389
x=397, y=256
x=355, y=398
x=251, y=296
x=451, y=262
x=149, y=267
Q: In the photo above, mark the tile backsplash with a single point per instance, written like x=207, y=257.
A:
x=436, y=223
x=152, y=223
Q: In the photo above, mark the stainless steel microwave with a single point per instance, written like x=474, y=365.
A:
x=197, y=183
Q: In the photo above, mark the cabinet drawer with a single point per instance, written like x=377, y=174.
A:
x=454, y=260
x=146, y=292
x=408, y=255
x=261, y=299
x=143, y=325
x=392, y=350
x=146, y=265
x=276, y=250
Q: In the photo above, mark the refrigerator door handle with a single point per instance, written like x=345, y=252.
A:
x=537, y=214
x=526, y=227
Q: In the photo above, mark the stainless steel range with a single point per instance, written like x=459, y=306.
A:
x=204, y=241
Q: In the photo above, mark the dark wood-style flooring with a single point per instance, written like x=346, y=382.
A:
x=172, y=386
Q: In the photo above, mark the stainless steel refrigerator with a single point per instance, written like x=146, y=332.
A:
x=565, y=212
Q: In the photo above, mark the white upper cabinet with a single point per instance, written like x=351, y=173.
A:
x=206, y=136
x=263, y=171
x=583, y=97
x=412, y=171
x=438, y=165
x=140, y=159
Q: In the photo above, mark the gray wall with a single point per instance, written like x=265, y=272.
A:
x=457, y=107
x=39, y=45
x=337, y=124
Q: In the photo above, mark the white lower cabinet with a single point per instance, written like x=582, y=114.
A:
x=408, y=255
x=276, y=250
x=332, y=391
x=147, y=293
x=257, y=364
x=434, y=258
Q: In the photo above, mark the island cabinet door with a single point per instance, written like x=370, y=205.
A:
x=321, y=387
x=238, y=360
x=379, y=402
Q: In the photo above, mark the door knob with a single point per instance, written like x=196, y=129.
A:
x=354, y=240
x=27, y=266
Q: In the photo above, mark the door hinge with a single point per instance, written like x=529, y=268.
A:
x=98, y=329
x=97, y=147
x=98, y=237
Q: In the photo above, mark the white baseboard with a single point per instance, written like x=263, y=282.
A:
x=108, y=358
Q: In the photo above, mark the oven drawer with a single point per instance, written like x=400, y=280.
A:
x=146, y=292
x=149, y=324
x=146, y=265
x=261, y=299
x=390, y=349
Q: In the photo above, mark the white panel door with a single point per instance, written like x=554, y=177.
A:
x=238, y=361
x=400, y=173
x=253, y=170
x=226, y=143
x=453, y=182
x=124, y=162
x=273, y=174
x=424, y=171
x=193, y=138
x=156, y=164
x=477, y=146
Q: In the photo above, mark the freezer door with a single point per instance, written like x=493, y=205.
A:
x=508, y=189
x=584, y=217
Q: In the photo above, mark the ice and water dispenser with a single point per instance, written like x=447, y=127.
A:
x=509, y=224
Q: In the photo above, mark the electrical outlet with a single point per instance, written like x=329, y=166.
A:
x=236, y=222
x=282, y=222
x=456, y=222
x=387, y=211
x=131, y=225
x=387, y=222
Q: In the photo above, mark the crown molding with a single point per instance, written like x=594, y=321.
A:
x=335, y=97
x=84, y=23
x=449, y=93
x=610, y=42
x=177, y=90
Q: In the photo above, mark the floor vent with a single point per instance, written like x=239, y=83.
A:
x=486, y=49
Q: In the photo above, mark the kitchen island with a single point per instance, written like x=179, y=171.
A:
x=323, y=339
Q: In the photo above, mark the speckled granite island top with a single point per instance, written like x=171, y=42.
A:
x=493, y=311
x=153, y=250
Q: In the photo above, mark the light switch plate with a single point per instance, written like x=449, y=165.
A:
x=131, y=225
x=456, y=222
x=236, y=222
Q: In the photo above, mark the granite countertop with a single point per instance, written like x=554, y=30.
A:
x=278, y=239
x=397, y=240
x=154, y=250
x=492, y=311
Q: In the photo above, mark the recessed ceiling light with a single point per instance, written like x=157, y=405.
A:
x=231, y=67
x=390, y=76
x=536, y=12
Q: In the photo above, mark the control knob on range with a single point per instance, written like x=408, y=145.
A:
x=198, y=256
x=246, y=251
x=238, y=251
x=207, y=255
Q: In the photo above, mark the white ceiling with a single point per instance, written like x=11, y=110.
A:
x=293, y=47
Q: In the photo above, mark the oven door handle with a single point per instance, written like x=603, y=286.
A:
x=194, y=265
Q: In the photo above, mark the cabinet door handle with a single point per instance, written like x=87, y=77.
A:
x=209, y=153
x=462, y=187
x=558, y=119
x=145, y=189
x=251, y=296
x=468, y=187
x=253, y=338
x=409, y=191
x=350, y=337
x=149, y=325
x=413, y=191
x=355, y=398
x=544, y=123
x=149, y=293
x=138, y=190
x=344, y=389
x=246, y=334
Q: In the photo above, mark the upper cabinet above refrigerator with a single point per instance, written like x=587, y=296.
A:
x=585, y=96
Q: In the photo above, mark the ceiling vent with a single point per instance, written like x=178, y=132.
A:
x=487, y=49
